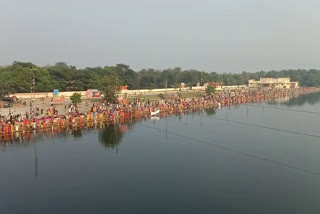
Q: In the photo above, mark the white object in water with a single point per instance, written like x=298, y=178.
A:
x=155, y=112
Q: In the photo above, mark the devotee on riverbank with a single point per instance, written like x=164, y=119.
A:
x=102, y=112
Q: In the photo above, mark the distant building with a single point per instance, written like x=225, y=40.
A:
x=272, y=83
x=124, y=87
x=217, y=85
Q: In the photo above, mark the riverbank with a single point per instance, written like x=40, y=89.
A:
x=117, y=113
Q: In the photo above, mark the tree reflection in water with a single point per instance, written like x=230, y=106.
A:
x=77, y=132
x=111, y=135
x=211, y=111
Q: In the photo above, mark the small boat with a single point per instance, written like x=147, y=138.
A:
x=155, y=112
x=155, y=118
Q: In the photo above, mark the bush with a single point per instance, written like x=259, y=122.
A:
x=210, y=89
x=75, y=98
x=110, y=87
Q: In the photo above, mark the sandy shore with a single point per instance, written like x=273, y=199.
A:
x=21, y=109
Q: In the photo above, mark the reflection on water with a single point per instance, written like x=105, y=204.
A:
x=183, y=163
x=111, y=135
x=77, y=133
x=211, y=111
x=311, y=99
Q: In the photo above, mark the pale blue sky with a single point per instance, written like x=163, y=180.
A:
x=216, y=35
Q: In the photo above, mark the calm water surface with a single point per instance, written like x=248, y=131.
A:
x=244, y=159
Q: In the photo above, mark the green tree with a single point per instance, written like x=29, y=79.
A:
x=110, y=85
x=129, y=77
x=5, y=90
x=210, y=89
x=75, y=98
x=18, y=77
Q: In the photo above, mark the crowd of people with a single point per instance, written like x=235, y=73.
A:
x=104, y=112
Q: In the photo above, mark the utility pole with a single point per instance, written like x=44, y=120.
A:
x=201, y=80
x=166, y=84
x=117, y=86
x=139, y=84
x=117, y=78
x=139, y=81
x=33, y=84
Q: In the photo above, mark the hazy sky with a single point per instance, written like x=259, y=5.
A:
x=210, y=35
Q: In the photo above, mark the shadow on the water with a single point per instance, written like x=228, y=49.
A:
x=311, y=99
x=211, y=111
x=77, y=133
x=111, y=135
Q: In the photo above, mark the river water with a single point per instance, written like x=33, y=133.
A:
x=256, y=158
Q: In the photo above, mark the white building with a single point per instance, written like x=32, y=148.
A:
x=272, y=83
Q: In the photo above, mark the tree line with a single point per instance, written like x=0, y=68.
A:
x=18, y=77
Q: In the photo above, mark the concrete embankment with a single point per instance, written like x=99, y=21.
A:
x=128, y=92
